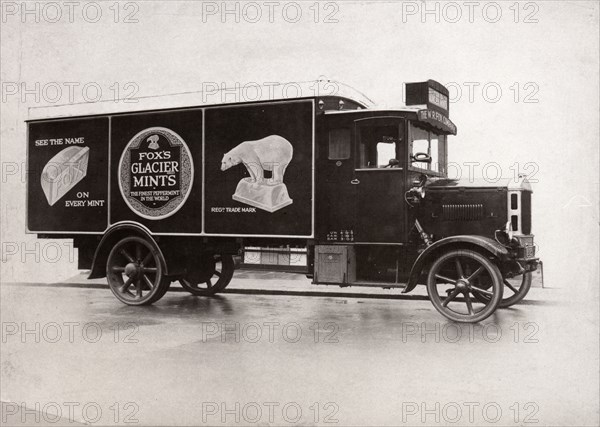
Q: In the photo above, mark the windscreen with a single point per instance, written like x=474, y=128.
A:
x=424, y=141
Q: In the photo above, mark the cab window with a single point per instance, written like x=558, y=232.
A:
x=377, y=146
x=340, y=144
x=385, y=152
x=430, y=143
x=434, y=151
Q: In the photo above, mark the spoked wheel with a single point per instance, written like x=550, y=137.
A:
x=211, y=274
x=455, y=278
x=516, y=288
x=135, y=272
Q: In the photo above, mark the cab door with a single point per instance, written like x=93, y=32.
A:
x=379, y=179
x=336, y=200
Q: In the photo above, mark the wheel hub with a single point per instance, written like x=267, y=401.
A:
x=463, y=285
x=132, y=270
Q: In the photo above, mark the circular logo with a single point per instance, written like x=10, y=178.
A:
x=156, y=173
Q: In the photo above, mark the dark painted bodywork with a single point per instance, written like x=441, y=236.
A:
x=358, y=206
x=459, y=207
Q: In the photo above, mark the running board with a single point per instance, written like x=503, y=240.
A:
x=367, y=284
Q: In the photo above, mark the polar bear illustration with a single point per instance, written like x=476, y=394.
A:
x=153, y=142
x=273, y=153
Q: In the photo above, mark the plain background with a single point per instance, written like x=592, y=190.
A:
x=375, y=47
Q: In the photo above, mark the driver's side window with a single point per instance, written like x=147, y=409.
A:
x=385, y=152
x=377, y=146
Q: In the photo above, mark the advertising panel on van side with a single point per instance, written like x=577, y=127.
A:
x=67, y=176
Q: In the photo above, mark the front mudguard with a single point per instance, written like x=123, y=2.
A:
x=478, y=243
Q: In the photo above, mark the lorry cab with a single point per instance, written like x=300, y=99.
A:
x=368, y=160
x=379, y=228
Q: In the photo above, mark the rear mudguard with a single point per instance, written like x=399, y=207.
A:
x=112, y=236
x=462, y=242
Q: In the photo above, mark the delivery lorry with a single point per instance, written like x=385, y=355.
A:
x=174, y=195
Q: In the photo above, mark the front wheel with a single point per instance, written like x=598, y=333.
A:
x=517, y=286
x=464, y=274
x=209, y=275
x=135, y=272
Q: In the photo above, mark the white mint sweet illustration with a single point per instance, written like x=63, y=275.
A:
x=63, y=172
x=272, y=153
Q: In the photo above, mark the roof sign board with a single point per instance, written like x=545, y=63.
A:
x=437, y=120
x=430, y=93
x=435, y=97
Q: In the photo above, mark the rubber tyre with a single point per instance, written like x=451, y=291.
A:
x=223, y=279
x=490, y=268
x=147, y=261
x=515, y=297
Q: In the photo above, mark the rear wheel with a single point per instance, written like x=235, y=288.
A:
x=456, y=277
x=135, y=272
x=209, y=275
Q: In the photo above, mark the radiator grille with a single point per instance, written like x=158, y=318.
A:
x=462, y=212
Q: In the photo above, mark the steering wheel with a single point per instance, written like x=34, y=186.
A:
x=393, y=163
x=421, y=157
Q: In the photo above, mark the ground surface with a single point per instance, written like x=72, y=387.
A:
x=256, y=357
